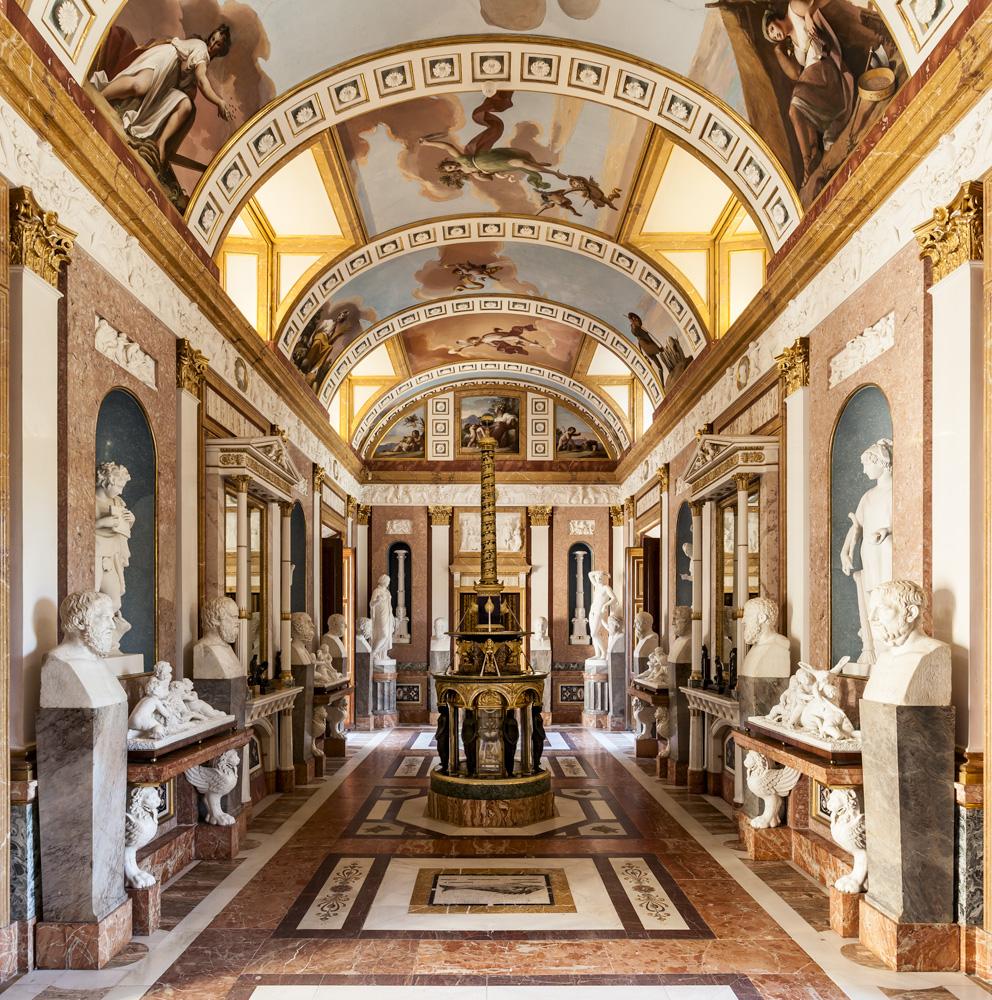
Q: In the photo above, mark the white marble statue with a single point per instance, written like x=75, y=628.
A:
x=913, y=668
x=140, y=828
x=871, y=523
x=363, y=641
x=680, y=646
x=643, y=712
x=540, y=638
x=440, y=640
x=198, y=709
x=318, y=727
x=657, y=669
x=663, y=730
x=614, y=634
x=770, y=785
x=604, y=603
x=768, y=655
x=214, y=782
x=809, y=705
x=157, y=715
x=301, y=630
x=324, y=673
x=213, y=656
x=847, y=827
x=645, y=637
x=687, y=552
x=383, y=620
x=74, y=674
x=337, y=712
x=113, y=536
x=333, y=638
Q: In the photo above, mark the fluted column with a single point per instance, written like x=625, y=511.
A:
x=697, y=591
x=316, y=549
x=363, y=518
x=242, y=581
x=539, y=520
x=285, y=592
x=742, y=482
x=664, y=603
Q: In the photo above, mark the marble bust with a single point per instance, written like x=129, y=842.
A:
x=363, y=641
x=383, y=620
x=440, y=640
x=301, y=631
x=912, y=668
x=614, y=633
x=680, y=648
x=645, y=637
x=113, y=534
x=604, y=603
x=332, y=638
x=769, y=652
x=212, y=655
x=73, y=674
x=541, y=639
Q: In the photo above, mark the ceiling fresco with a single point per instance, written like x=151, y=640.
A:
x=515, y=153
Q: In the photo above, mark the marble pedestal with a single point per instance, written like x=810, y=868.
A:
x=440, y=661
x=230, y=695
x=302, y=716
x=618, y=690
x=674, y=766
x=363, y=690
x=757, y=696
x=596, y=704
x=74, y=945
x=146, y=909
x=908, y=761
x=384, y=715
x=540, y=660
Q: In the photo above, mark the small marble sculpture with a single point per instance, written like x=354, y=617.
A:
x=214, y=782
x=156, y=716
x=363, y=641
x=383, y=620
x=769, y=652
x=198, y=709
x=337, y=712
x=645, y=637
x=809, y=705
x=771, y=786
x=604, y=603
x=847, y=827
x=301, y=630
x=872, y=524
x=74, y=674
x=680, y=647
x=440, y=640
x=140, y=828
x=318, y=727
x=657, y=667
x=337, y=626
x=687, y=552
x=913, y=668
x=540, y=638
x=663, y=730
x=643, y=712
x=113, y=534
x=614, y=634
x=212, y=655
x=324, y=674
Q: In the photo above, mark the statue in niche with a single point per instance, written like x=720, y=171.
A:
x=687, y=552
x=383, y=620
x=769, y=652
x=212, y=655
x=604, y=603
x=913, y=669
x=872, y=524
x=113, y=535
x=301, y=630
x=73, y=674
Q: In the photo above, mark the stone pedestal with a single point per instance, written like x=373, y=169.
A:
x=596, y=704
x=908, y=761
x=384, y=714
x=844, y=912
x=905, y=947
x=302, y=716
x=540, y=660
x=618, y=690
x=773, y=844
x=678, y=723
x=363, y=690
x=645, y=746
x=229, y=695
x=82, y=783
x=146, y=909
x=221, y=843
x=334, y=746
x=757, y=696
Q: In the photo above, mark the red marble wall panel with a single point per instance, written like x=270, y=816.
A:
x=416, y=651
x=561, y=541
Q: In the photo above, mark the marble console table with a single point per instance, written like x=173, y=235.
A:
x=271, y=716
x=710, y=714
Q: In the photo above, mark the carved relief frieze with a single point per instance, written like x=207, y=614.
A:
x=125, y=353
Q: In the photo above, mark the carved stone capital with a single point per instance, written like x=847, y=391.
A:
x=241, y=483
x=539, y=516
x=696, y=507
x=617, y=515
x=440, y=514
x=191, y=367
x=629, y=506
x=954, y=235
x=286, y=508
x=793, y=366
x=364, y=513
x=663, y=478
x=319, y=475
x=351, y=506
x=742, y=481
x=37, y=241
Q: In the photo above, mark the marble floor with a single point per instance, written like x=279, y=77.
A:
x=636, y=891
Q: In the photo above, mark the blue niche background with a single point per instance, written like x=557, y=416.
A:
x=298, y=557
x=573, y=592
x=124, y=436
x=683, y=564
x=865, y=418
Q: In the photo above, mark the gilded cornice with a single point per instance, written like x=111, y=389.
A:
x=617, y=515
x=793, y=366
x=954, y=236
x=319, y=475
x=191, y=367
x=539, y=516
x=37, y=241
x=440, y=514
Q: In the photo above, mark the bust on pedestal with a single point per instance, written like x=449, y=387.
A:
x=302, y=663
x=383, y=665
x=907, y=728
x=333, y=641
x=616, y=655
x=82, y=781
x=673, y=765
x=764, y=674
x=363, y=674
x=440, y=660
x=540, y=658
x=219, y=674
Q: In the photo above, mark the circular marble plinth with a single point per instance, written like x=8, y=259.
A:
x=503, y=802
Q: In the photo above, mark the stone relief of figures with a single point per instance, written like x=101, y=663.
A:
x=114, y=523
x=809, y=706
x=509, y=536
x=124, y=352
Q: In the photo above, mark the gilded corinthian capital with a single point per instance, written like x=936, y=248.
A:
x=37, y=241
x=539, y=516
x=954, y=235
x=191, y=367
x=793, y=366
x=440, y=514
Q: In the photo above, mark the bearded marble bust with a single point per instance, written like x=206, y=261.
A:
x=680, y=647
x=212, y=655
x=769, y=652
x=302, y=631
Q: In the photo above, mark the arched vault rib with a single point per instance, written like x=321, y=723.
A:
x=595, y=408
x=715, y=133
x=496, y=305
x=654, y=280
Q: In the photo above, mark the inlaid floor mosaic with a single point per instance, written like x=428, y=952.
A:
x=553, y=740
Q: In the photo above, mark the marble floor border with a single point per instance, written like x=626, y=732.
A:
x=569, y=747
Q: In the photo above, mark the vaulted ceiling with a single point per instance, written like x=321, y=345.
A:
x=567, y=198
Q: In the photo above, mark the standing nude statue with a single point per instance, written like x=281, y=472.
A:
x=604, y=603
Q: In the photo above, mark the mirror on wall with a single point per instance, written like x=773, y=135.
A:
x=257, y=566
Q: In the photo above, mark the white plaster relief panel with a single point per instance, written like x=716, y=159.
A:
x=125, y=353
x=582, y=527
x=399, y=526
x=873, y=341
x=508, y=495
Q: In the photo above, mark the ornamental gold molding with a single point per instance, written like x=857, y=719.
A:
x=664, y=478
x=629, y=507
x=440, y=515
x=364, y=513
x=241, y=483
x=954, y=236
x=793, y=366
x=319, y=475
x=617, y=515
x=742, y=481
x=37, y=241
x=191, y=367
x=350, y=506
x=539, y=516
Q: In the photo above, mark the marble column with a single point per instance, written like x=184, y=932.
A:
x=742, y=482
x=696, y=572
x=242, y=581
x=793, y=366
x=316, y=566
x=285, y=592
x=401, y=632
x=580, y=623
x=363, y=516
x=662, y=625
x=191, y=366
x=706, y=566
x=539, y=520
x=620, y=539
x=286, y=777
x=440, y=589
x=696, y=776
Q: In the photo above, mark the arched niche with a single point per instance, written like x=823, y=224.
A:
x=683, y=564
x=865, y=419
x=579, y=593
x=399, y=562
x=124, y=436
x=298, y=557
